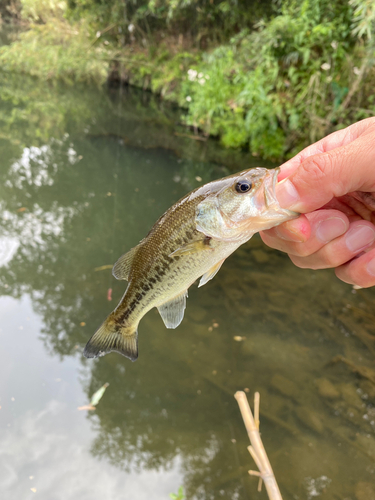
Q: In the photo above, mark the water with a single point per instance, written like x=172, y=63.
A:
x=84, y=175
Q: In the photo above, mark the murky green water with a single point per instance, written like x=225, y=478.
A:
x=83, y=176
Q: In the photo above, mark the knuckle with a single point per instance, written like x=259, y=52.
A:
x=317, y=166
x=315, y=261
x=360, y=128
x=370, y=121
x=303, y=251
x=327, y=168
x=329, y=259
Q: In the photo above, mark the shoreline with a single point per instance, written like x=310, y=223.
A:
x=245, y=91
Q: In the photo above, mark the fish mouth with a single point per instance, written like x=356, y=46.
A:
x=270, y=199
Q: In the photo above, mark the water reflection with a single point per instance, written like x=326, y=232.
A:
x=8, y=247
x=74, y=196
x=45, y=441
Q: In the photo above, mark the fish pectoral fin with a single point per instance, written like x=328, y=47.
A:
x=192, y=247
x=113, y=337
x=122, y=267
x=210, y=273
x=172, y=312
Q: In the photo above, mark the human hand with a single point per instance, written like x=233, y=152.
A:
x=328, y=182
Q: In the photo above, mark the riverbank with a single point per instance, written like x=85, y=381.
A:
x=271, y=85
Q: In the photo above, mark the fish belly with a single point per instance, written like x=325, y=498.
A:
x=156, y=289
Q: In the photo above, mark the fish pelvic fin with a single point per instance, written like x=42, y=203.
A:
x=211, y=273
x=112, y=336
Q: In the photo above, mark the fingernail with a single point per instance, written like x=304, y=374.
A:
x=359, y=237
x=286, y=193
x=330, y=229
x=371, y=267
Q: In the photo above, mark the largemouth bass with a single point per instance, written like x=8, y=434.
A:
x=190, y=241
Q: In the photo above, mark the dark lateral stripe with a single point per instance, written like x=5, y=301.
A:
x=133, y=304
x=160, y=270
x=139, y=296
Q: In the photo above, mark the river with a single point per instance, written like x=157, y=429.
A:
x=84, y=174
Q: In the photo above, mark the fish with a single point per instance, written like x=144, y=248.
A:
x=190, y=240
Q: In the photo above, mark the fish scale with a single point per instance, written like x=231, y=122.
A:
x=156, y=252
x=191, y=240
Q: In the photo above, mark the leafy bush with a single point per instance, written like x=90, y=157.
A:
x=54, y=49
x=288, y=82
x=43, y=10
x=202, y=21
x=273, y=87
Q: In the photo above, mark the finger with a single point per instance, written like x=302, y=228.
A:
x=293, y=230
x=360, y=271
x=325, y=226
x=360, y=236
x=322, y=177
x=332, y=141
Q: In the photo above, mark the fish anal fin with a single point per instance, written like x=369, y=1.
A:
x=210, y=273
x=172, y=312
x=121, y=269
x=113, y=337
x=193, y=247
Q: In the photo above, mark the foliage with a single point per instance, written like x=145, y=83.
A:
x=201, y=21
x=179, y=495
x=43, y=10
x=282, y=85
x=293, y=79
x=53, y=49
x=227, y=100
x=9, y=9
x=363, y=18
x=273, y=87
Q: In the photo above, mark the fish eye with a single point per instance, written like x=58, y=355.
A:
x=243, y=186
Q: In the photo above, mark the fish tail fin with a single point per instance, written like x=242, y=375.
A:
x=113, y=337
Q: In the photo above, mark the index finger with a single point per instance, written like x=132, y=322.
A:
x=332, y=141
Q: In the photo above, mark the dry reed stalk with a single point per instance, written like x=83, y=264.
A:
x=256, y=449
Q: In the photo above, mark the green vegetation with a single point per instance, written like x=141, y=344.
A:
x=179, y=495
x=272, y=78
x=54, y=49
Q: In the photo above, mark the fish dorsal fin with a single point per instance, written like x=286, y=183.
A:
x=121, y=269
x=210, y=273
x=172, y=312
x=192, y=247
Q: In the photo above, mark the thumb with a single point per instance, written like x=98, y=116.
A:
x=324, y=176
